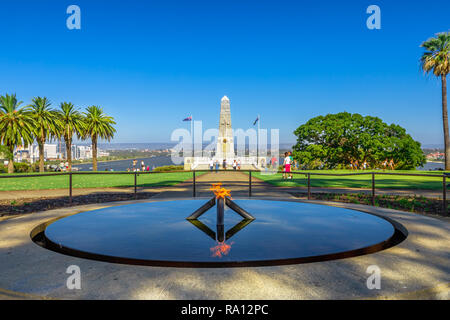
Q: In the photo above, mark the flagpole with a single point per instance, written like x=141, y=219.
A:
x=257, y=141
x=192, y=135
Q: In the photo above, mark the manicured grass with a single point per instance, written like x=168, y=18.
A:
x=57, y=181
x=358, y=181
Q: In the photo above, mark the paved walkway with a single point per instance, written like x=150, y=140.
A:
x=418, y=268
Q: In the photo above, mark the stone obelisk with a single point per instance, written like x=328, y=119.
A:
x=225, y=143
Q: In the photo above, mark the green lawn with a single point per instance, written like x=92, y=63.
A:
x=362, y=181
x=58, y=181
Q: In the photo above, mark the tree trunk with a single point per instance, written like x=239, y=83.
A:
x=69, y=153
x=11, y=160
x=41, y=156
x=94, y=153
x=445, y=119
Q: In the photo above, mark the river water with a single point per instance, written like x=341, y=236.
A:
x=432, y=166
x=123, y=165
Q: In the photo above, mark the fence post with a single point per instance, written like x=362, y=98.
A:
x=373, y=188
x=250, y=183
x=444, y=194
x=70, y=187
x=194, y=184
x=135, y=185
x=309, y=186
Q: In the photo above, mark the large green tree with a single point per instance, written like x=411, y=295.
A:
x=436, y=59
x=334, y=140
x=45, y=125
x=98, y=125
x=16, y=126
x=71, y=122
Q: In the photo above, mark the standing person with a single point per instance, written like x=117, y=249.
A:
x=217, y=165
x=134, y=164
x=287, y=166
x=148, y=168
x=291, y=162
x=142, y=165
x=274, y=163
x=385, y=164
x=356, y=165
x=211, y=164
x=365, y=165
x=234, y=165
x=391, y=164
x=239, y=164
x=224, y=164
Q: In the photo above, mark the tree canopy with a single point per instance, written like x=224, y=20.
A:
x=335, y=140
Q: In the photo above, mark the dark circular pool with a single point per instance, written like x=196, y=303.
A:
x=157, y=233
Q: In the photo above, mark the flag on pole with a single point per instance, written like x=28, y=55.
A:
x=257, y=119
x=188, y=118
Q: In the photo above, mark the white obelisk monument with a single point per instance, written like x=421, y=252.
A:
x=225, y=142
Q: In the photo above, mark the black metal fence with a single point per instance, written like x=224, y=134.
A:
x=308, y=176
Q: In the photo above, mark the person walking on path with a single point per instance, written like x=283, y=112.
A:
x=211, y=164
x=224, y=164
x=234, y=165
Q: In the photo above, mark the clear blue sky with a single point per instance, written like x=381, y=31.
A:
x=152, y=63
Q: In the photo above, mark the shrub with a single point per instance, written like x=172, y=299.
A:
x=169, y=168
x=19, y=167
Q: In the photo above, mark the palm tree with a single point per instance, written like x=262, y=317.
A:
x=46, y=125
x=436, y=60
x=98, y=125
x=16, y=126
x=71, y=122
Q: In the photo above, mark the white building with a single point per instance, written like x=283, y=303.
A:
x=32, y=153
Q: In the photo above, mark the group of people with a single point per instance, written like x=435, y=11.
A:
x=214, y=164
x=386, y=164
x=136, y=168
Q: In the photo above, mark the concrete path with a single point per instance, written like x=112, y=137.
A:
x=418, y=268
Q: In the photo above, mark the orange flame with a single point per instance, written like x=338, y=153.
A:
x=222, y=249
x=219, y=191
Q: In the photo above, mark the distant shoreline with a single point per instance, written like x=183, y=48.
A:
x=107, y=161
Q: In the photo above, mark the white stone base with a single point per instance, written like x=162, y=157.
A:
x=202, y=163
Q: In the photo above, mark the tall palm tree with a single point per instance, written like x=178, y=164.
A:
x=46, y=124
x=436, y=59
x=98, y=125
x=16, y=126
x=71, y=122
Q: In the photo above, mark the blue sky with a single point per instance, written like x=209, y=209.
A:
x=152, y=63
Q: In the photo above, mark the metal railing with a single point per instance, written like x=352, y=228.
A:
x=307, y=174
